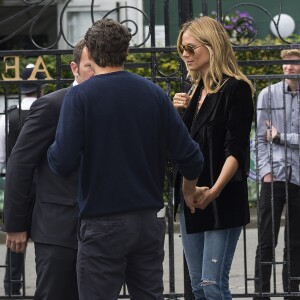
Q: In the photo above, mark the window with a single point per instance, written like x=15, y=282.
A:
x=79, y=22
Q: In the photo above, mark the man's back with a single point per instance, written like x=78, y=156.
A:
x=125, y=136
x=16, y=119
x=29, y=157
x=117, y=127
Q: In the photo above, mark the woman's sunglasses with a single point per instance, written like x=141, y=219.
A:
x=190, y=49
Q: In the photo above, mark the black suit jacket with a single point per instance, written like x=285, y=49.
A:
x=55, y=211
x=222, y=129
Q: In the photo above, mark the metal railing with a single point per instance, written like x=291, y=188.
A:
x=161, y=65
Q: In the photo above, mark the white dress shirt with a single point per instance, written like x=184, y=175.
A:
x=25, y=105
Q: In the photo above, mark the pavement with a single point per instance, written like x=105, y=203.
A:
x=243, y=263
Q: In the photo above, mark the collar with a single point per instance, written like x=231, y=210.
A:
x=26, y=102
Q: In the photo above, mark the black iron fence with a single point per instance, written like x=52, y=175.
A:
x=161, y=64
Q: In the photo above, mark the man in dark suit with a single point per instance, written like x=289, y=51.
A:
x=53, y=220
x=16, y=117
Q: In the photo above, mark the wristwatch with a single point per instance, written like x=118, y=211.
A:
x=276, y=139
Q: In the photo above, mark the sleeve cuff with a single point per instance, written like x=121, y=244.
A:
x=281, y=139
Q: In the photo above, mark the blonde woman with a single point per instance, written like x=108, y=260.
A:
x=219, y=114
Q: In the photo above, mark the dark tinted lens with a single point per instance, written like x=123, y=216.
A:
x=188, y=48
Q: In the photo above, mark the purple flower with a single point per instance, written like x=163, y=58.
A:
x=228, y=27
x=244, y=15
x=238, y=24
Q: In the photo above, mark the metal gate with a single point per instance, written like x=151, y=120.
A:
x=153, y=55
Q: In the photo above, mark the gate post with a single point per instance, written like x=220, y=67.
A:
x=185, y=10
x=188, y=294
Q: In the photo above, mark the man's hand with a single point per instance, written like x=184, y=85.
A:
x=16, y=241
x=188, y=195
x=193, y=198
x=188, y=190
x=268, y=133
x=269, y=178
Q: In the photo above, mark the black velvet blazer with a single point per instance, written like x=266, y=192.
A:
x=222, y=128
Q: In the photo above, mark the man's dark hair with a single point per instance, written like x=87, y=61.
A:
x=108, y=42
x=77, y=51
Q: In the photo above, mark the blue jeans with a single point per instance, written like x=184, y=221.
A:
x=209, y=256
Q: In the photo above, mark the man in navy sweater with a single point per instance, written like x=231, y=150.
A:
x=118, y=127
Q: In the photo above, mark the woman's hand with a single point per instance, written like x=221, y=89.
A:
x=229, y=169
x=181, y=100
x=194, y=196
x=204, y=197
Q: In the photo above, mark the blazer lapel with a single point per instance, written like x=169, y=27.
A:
x=208, y=107
x=205, y=112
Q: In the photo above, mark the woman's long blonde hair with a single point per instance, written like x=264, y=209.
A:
x=214, y=37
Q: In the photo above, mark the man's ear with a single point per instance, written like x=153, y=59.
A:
x=74, y=68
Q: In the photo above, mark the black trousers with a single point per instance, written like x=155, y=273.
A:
x=56, y=272
x=120, y=248
x=264, y=252
x=15, y=263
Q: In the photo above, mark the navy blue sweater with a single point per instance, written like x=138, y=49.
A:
x=118, y=128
